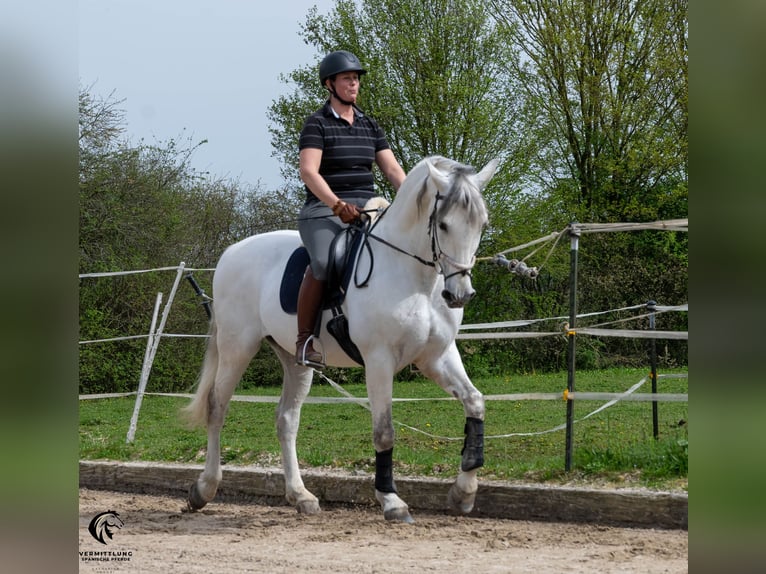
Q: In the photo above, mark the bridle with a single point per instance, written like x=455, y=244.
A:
x=438, y=255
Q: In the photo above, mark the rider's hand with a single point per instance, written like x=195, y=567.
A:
x=347, y=212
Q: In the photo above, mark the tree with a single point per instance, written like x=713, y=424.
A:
x=100, y=122
x=436, y=82
x=143, y=207
x=612, y=78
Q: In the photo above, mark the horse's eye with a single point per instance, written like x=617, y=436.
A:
x=443, y=226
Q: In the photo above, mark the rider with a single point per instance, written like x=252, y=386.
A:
x=338, y=145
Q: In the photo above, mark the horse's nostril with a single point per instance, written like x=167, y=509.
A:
x=452, y=301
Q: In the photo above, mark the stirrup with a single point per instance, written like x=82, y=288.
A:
x=304, y=362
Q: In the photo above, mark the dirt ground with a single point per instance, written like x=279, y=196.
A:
x=157, y=537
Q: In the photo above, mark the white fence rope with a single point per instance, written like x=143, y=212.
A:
x=638, y=333
x=526, y=322
x=667, y=225
x=348, y=398
x=131, y=337
x=118, y=273
x=615, y=397
x=154, y=337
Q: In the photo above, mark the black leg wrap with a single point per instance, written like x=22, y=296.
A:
x=473, y=445
x=384, y=471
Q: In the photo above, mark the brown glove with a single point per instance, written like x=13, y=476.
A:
x=346, y=211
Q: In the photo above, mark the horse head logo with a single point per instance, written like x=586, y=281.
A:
x=102, y=524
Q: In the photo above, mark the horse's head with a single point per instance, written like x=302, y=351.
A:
x=458, y=218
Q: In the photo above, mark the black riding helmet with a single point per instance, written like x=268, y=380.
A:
x=337, y=62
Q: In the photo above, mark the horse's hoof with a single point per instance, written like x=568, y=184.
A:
x=399, y=515
x=459, y=500
x=194, y=502
x=308, y=507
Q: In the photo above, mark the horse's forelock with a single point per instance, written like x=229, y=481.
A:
x=464, y=193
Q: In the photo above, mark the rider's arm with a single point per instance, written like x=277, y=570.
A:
x=310, y=158
x=387, y=163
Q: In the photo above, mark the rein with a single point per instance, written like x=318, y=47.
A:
x=400, y=250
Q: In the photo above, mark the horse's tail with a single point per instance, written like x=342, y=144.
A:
x=195, y=413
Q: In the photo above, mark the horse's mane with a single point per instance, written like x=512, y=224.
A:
x=463, y=192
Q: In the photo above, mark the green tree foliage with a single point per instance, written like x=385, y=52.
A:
x=612, y=79
x=144, y=207
x=435, y=82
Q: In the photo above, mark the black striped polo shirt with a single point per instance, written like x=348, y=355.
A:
x=348, y=151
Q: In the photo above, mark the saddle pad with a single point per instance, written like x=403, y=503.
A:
x=291, y=280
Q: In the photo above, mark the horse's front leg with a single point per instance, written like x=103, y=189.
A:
x=379, y=391
x=448, y=372
x=462, y=494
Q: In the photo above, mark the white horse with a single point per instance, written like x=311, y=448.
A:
x=423, y=248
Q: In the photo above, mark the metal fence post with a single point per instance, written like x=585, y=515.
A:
x=652, y=307
x=574, y=242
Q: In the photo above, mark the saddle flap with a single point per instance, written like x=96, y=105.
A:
x=342, y=256
x=343, y=250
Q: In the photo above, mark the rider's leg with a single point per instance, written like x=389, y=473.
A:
x=309, y=306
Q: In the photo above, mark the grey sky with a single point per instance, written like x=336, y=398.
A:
x=198, y=69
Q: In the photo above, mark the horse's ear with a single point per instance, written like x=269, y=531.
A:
x=441, y=177
x=487, y=172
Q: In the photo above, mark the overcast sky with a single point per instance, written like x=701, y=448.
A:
x=205, y=69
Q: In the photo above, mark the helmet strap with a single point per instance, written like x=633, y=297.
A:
x=331, y=89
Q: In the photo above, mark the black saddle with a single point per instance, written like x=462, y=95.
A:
x=343, y=253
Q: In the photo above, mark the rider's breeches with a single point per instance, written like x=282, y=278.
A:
x=318, y=227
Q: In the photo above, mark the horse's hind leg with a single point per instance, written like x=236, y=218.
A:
x=296, y=386
x=232, y=362
x=448, y=372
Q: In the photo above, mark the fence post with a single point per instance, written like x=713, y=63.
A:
x=154, y=342
x=144, y=372
x=652, y=307
x=574, y=243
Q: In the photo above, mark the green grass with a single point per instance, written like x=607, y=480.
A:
x=614, y=447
